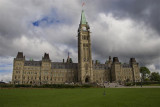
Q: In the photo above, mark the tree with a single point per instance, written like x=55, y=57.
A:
x=155, y=76
x=147, y=79
x=127, y=80
x=144, y=71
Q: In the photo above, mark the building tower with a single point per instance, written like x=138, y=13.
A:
x=18, y=65
x=85, y=73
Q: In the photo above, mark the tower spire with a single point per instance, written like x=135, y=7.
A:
x=83, y=18
x=85, y=72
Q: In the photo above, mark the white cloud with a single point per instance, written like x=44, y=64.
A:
x=152, y=68
x=6, y=66
x=123, y=37
x=5, y=76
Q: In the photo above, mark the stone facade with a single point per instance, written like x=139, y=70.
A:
x=85, y=71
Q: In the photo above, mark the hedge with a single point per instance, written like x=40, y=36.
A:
x=45, y=86
x=147, y=83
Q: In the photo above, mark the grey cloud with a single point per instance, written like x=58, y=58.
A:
x=146, y=11
x=142, y=42
x=116, y=40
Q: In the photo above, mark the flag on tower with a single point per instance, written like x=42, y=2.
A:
x=83, y=4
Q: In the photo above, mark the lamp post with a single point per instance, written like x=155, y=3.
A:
x=141, y=78
x=104, y=93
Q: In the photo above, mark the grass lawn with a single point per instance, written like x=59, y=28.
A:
x=91, y=97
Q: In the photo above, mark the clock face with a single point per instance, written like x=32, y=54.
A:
x=84, y=28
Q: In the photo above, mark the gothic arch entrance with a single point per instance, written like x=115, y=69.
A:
x=87, y=79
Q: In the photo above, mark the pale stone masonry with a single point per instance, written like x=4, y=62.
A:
x=85, y=71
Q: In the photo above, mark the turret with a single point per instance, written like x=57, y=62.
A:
x=115, y=60
x=69, y=60
x=115, y=69
x=135, y=69
x=18, y=68
x=109, y=61
x=20, y=56
x=45, y=69
x=46, y=57
x=132, y=61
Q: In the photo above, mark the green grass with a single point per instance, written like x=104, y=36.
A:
x=91, y=97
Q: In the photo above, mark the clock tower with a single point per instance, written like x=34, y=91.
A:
x=85, y=72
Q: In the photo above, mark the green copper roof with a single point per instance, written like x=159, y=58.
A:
x=83, y=18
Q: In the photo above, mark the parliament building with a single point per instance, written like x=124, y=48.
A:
x=86, y=71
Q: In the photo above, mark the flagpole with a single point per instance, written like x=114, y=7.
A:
x=83, y=5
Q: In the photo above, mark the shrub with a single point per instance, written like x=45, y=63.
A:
x=128, y=84
x=22, y=85
x=6, y=85
x=64, y=86
x=46, y=86
x=147, y=83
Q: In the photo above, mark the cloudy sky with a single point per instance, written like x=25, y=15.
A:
x=122, y=28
